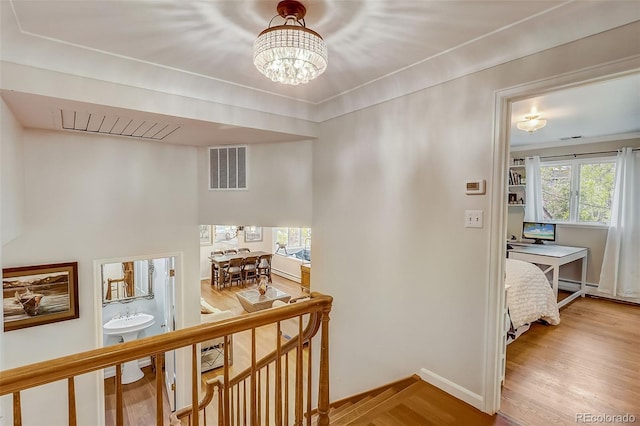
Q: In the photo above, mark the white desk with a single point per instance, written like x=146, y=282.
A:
x=554, y=257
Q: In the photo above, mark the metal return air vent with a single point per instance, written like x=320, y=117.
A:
x=228, y=167
x=115, y=125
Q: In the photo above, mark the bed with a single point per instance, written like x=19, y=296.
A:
x=530, y=298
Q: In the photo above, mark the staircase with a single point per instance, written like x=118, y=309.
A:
x=410, y=402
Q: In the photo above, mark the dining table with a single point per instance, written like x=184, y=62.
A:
x=221, y=261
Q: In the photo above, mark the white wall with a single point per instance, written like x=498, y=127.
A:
x=411, y=292
x=279, y=188
x=11, y=197
x=12, y=175
x=92, y=197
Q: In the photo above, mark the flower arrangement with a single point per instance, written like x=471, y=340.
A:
x=262, y=287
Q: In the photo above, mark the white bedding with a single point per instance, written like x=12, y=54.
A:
x=529, y=295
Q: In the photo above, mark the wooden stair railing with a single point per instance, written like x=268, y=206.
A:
x=254, y=375
x=15, y=380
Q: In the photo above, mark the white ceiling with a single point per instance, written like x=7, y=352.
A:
x=372, y=45
x=589, y=113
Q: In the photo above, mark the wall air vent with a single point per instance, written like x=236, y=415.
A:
x=228, y=167
x=84, y=121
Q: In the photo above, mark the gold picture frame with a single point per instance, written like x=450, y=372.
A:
x=41, y=294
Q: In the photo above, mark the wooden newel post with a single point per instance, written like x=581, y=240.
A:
x=323, y=386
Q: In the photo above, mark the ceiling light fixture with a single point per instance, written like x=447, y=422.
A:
x=290, y=53
x=531, y=123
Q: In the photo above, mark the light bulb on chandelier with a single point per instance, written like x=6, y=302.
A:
x=290, y=53
x=531, y=123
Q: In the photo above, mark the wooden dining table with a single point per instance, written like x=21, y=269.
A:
x=221, y=261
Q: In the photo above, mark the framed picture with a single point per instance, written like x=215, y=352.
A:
x=252, y=234
x=206, y=239
x=226, y=234
x=36, y=295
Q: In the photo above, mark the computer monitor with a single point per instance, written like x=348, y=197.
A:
x=539, y=232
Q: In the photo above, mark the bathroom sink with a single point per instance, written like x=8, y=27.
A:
x=128, y=324
x=128, y=327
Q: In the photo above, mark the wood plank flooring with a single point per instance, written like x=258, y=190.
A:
x=419, y=404
x=589, y=363
x=139, y=401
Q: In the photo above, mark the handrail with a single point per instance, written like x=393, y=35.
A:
x=310, y=330
x=209, y=385
x=41, y=373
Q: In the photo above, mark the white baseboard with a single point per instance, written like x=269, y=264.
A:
x=285, y=275
x=453, y=389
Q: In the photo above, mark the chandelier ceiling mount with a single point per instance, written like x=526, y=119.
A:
x=292, y=8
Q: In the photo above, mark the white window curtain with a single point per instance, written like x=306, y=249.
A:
x=533, y=206
x=620, y=274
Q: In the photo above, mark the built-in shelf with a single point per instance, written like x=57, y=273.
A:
x=516, y=181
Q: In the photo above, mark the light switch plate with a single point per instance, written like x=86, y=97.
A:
x=473, y=218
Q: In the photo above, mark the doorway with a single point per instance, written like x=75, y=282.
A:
x=137, y=285
x=504, y=100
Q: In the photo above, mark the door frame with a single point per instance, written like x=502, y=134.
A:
x=495, y=349
x=98, y=317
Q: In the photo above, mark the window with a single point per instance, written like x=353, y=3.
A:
x=294, y=237
x=578, y=191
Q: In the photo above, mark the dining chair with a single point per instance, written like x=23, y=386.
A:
x=244, y=250
x=231, y=251
x=215, y=270
x=264, y=266
x=250, y=269
x=234, y=271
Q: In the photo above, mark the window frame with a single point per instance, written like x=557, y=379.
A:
x=574, y=187
x=303, y=237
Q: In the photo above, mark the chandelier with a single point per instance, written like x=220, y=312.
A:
x=290, y=53
x=531, y=123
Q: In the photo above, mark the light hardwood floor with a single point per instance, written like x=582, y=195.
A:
x=139, y=401
x=589, y=363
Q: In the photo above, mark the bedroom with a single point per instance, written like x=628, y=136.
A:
x=530, y=365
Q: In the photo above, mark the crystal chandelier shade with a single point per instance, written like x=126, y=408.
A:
x=290, y=53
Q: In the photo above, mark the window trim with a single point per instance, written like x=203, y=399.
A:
x=574, y=194
x=302, y=237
